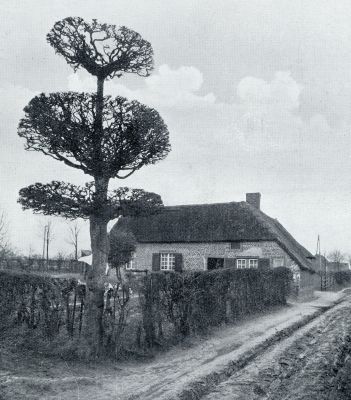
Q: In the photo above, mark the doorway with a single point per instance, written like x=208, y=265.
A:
x=215, y=263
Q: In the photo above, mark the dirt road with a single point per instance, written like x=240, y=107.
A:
x=310, y=364
x=244, y=357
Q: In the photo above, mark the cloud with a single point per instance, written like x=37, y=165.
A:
x=166, y=88
x=269, y=118
x=281, y=93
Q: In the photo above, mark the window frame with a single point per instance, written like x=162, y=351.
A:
x=246, y=263
x=129, y=265
x=278, y=258
x=255, y=262
x=168, y=263
x=241, y=261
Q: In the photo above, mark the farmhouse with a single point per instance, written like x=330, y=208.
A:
x=210, y=236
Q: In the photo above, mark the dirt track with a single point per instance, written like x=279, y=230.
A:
x=307, y=365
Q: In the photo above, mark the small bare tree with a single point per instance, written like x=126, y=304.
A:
x=337, y=257
x=74, y=230
x=5, y=248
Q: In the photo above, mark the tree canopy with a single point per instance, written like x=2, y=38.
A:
x=71, y=201
x=103, y=50
x=62, y=125
x=102, y=136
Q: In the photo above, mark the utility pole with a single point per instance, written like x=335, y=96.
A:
x=318, y=252
x=44, y=241
x=47, y=242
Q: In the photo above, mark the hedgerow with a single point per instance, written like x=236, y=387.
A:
x=169, y=306
x=42, y=302
x=194, y=301
x=342, y=277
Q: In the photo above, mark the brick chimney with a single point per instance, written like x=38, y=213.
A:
x=254, y=199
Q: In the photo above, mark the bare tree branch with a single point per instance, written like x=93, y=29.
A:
x=103, y=50
x=74, y=230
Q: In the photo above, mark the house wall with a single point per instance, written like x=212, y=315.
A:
x=195, y=254
x=195, y=257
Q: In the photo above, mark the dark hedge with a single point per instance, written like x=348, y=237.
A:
x=342, y=277
x=41, y=302
x=194, y=301
x=170, y=306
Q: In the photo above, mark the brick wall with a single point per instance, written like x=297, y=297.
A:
x=195, y=254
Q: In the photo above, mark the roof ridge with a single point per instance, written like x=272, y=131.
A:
x=260, y=216
x=277, y=229
x=202, y=204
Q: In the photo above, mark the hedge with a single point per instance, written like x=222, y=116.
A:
x=342, y=277
x=55, y=307
x=170, y=306
x=41, y=302
x=194, y=301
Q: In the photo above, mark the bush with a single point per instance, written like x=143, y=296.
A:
x=52, y=309
x=41, y=302
x=48, y=313
x=193, y=301
x=342, y=277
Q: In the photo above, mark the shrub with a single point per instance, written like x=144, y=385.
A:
x=41, y=302
x=53, y=309
x=342, y=277
x=171, y=306
x=193, y=301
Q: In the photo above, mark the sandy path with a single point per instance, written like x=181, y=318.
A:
x=304, y=366
x=161, y=378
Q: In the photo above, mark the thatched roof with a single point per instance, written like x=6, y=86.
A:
x=222, y=222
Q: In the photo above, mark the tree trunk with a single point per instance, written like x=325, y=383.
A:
x=95, y=281
x=98, y=237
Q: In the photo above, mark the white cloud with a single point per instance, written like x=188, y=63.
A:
x=281, y=93
x=269, y=118
x=166, y=88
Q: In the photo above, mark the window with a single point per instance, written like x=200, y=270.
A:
x=235, y=245
x=215, y=263
x=130, y=263
x=278, y=262
x=242, y=263
x=167, y=261
x=253, y=263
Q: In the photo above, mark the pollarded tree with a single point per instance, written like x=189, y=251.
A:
x=102, y=136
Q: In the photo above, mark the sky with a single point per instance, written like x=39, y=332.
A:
x=256, y=95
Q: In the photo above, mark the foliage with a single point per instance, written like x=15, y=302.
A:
x=63, y=126
x=103, y=50
x=194, y=301
x=72, y=201
x=121, y=245
x=171, y=306
x=54, y=306
x=104, y=137
x=342, y=277
x=38, y=302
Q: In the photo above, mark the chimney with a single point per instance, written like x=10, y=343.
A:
x=254, y=199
